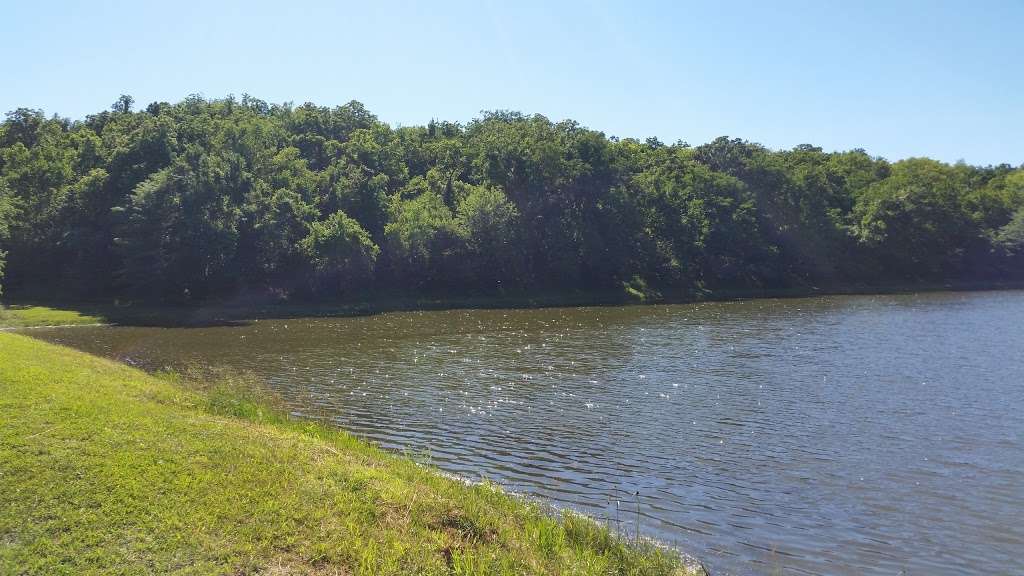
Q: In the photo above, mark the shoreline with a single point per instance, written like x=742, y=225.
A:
x=25, y=312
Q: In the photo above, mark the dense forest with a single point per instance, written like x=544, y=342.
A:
x=216, y=199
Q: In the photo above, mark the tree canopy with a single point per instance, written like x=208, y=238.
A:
x=207, y=198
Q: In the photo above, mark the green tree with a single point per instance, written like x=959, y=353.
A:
x=704, y=223
x=38, y=169
x=7, y=215
x=992, y=205
x=272, y=227
x=123, y=104
x=422, y=242
x=182, y=230
x=203, y=197
x=914, y=221
x=368, y=169
x=488, y=222
x=341, y=253
x=92, y=262
x=1011, y=236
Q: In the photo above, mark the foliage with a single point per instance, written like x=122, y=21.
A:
x=182, y=228
x=341, y=252
x=489, y=222
x=914, y=219
x=422, y=239
x=1011, y=236
x=211, y=198
x=7, y=213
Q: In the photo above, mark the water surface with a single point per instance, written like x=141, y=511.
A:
x=834, y=435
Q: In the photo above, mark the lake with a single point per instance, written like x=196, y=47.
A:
x=830, y=435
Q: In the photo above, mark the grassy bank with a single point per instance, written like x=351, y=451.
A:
x=23, y=316
x=106, y=469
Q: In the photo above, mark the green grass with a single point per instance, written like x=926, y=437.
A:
x=108, y=470
x=21, y=316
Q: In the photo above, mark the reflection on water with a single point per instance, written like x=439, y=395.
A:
x=835, y=435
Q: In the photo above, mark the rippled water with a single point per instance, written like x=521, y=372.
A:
x=834, y=435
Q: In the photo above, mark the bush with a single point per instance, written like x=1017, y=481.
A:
x=341, y=252
x=422, y=241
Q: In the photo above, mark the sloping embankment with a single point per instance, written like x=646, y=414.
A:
x=106, y=469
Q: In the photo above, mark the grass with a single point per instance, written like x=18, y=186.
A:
x=22, y=316
x=108, y=470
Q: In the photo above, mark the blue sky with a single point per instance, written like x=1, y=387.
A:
x=902, y=78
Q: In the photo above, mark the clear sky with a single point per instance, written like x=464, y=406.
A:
x=900, y=78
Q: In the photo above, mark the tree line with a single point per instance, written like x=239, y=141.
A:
x=217, y=198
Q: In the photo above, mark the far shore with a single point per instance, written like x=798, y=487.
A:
x=23, y=310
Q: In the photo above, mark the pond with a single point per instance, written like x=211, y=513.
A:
x=831, y=435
